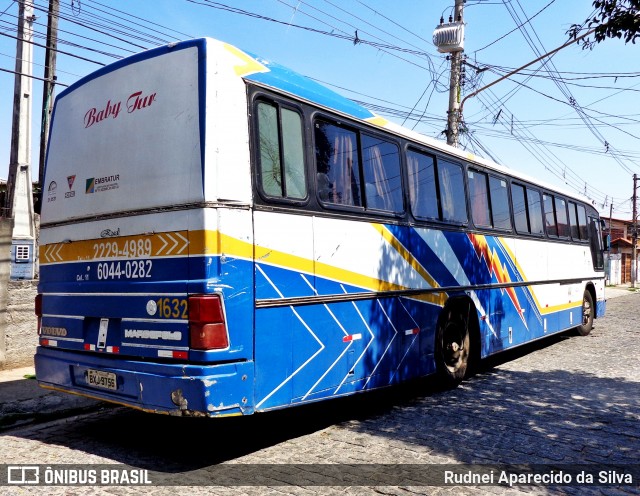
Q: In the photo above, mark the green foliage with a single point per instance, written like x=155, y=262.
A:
x=612, y=19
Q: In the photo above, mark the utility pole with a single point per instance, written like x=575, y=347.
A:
x=453, y=114
x=19, y=205
x=634, y=234
x=49, y=83
x=609, y=240
x=449, y=38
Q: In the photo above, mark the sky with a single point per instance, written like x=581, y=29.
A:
x=571, y=120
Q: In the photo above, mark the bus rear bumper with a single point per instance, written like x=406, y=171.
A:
x=175, y=389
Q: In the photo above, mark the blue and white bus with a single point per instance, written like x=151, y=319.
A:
x=221, y=236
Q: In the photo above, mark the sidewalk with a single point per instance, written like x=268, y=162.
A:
x=621, y=290
x=23, y=401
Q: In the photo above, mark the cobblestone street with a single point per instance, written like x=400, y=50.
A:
x=564, y=400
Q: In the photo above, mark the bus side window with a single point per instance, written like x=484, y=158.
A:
x=549, y=216
x=573, y=221
x=596, y=243
x=281, y=152
x=561, y=216
x=489, y=200
x=452, y=196
x=381, y=173
x=422, y=185
x=500, y=212
x=582, y=222
x=479, y=198
x=520, y=209
x=337, y=165
x=534, y=206
x=293, y=148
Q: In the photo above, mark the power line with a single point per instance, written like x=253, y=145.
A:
x=372, y=25
x=393, y=22
x=528, y=20
x=354, y=39
x=561, y=86
x=29, y=76
x=165, y=28
x=543, y=155
x=59, y=51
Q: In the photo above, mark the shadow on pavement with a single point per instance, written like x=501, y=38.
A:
x=497, y=416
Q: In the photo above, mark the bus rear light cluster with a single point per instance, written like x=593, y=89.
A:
x=38, y=310
x=207, y=326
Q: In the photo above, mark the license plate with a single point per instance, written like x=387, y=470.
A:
x=101, y=379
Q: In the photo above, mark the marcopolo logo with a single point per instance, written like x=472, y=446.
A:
x=106, y=183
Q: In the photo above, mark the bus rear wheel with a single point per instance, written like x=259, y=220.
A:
x=452, y=349
x=588, y=312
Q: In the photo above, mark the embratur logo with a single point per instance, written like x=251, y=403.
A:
x=91, y=185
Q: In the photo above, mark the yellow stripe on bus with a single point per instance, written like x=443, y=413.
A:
x=167, y=244
x=215, y=243
x=246, y=64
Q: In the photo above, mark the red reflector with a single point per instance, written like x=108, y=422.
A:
x=207, y=327
x=180, y=354
x=44, y=342
x=208, y=336
x=87, y=346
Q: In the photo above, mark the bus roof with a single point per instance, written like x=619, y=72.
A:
x=284, y=80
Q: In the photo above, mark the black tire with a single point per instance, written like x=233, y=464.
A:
x=453, y=347
x=588, y=313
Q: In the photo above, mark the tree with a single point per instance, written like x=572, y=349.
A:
x=612, y=19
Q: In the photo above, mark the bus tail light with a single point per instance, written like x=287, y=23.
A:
x=38, y=310
x=207, y=327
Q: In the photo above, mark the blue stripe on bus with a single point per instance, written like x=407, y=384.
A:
x=279, y=77
x=340, y=347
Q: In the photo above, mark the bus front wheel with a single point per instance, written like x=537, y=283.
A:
x=588, y=311
x=452, y=350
